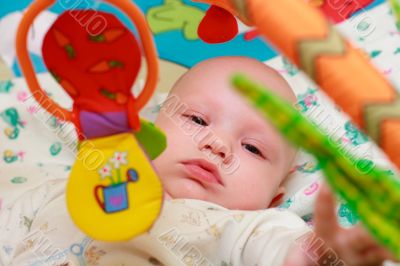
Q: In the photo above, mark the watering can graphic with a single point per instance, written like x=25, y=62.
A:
x=114, y=198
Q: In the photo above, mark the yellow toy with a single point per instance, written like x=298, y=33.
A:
x=113, y=193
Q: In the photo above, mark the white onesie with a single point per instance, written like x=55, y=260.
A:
x=36, y=230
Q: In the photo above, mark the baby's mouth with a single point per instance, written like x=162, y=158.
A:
x=203, y=171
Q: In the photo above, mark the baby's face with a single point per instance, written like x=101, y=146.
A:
x=219, y=148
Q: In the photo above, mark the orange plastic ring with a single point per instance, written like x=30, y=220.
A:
x=47, y=103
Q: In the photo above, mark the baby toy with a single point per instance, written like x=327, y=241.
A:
x=219, y=25
x=368, y=190
x=395, y=4
x=113, y=192
x=331, y=61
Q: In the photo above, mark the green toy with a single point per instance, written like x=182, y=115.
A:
x=151, y=139
x=395, y=4
x=372, y=193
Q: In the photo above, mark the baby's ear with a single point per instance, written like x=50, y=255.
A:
x=278, y=199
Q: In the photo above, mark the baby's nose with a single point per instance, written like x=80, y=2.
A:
x=218, y=150
x=217, y=143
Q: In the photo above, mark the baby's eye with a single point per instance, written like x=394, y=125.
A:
x=253, y=149
x=197, y=119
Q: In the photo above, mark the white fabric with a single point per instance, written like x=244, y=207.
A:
x=35, y=229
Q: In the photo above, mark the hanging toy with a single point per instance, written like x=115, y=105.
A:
x=339, y=10
x=371, y=192
x=395, y=5
x=113, y=192
x=305, y=37
x=219, y=25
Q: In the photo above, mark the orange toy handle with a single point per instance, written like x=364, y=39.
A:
x=47, y=103
x=305, y=36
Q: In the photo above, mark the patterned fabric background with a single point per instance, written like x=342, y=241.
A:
x=32, y=139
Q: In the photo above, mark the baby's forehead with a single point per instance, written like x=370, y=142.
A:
x=223, y=105
x=214, y=77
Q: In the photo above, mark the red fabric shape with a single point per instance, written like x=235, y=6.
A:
x=94, y=58
x=217, y=26
x=340, y=10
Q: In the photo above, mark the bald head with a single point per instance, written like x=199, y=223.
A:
x=218, y=71
x=213, y=123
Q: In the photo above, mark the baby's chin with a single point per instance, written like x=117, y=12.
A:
x=232, y=205
x=185, y=188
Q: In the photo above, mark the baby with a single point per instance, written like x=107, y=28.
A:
x=222, y=172
x=219, y=148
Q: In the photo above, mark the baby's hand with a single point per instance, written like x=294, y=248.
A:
x=334, y=245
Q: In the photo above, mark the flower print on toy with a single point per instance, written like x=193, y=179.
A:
x=115, y=195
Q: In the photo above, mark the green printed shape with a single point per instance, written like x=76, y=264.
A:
x=10, y=158
x=375, y=53
x=289, y=67
x=363, y=25
x=55, y=148
x=69, y=49
x=11, y=132
x=307, y=100
x=286, y=204
x=18, y=180
x=108, y=94
x=356, y=136
x=308, y=218
x=11, y=116
x=308, y=167
x=345, y=212
x=115, y=63
x=5, y=86
x=27, y=222
x=53, y=122
x=174, y=15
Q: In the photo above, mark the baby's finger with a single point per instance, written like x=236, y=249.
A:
x=326, y=225
x=359, y=239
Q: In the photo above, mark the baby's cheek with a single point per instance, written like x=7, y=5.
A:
x=250, y=195
x=159, y=167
